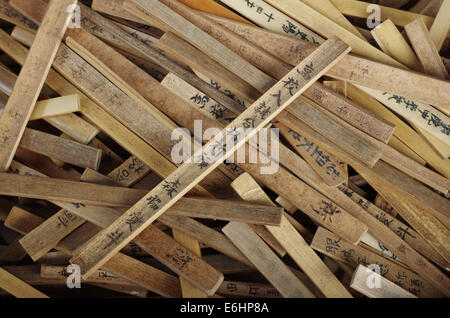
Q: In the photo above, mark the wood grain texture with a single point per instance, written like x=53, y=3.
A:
x=31, y=79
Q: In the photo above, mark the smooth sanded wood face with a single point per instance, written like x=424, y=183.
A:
x=386, y=289
x=31, y=79
x=333, y=246
x=185, y=177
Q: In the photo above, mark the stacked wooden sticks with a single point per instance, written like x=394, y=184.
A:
x=352, y=201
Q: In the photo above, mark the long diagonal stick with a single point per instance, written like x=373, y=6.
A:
x=103, y=246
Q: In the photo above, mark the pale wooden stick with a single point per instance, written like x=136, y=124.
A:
x=425, y=49
x=31, y=79
x=266, y=261
x=392, y=43
x=441, y=25
x=387, y=289
x=186, y=177
x=61, y=148
x=332, y=245
x=243, y=289
x=294, y=244
x=24, y=36
x=401, y=147
x=8, y=13
x=17, y=287
x=187, y=289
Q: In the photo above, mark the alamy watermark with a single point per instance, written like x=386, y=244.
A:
x=262, y=146
x=374, y=19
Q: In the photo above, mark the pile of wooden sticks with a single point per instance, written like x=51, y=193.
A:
x=100, y=98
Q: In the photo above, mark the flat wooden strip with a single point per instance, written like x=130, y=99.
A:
x=441, y=25
x=393, y=43
x=17, y=287
x=401, y=147
x=8, y=13
x=425, y=49
x=129, y=172
x=406, y=233
x=354, y=145
x=31, y=79
x=402, y=131
x=294, y=244
x=187, y=289
x=56, y=106
x=333, y=246
x=24, y=36
x=275, y=271
x=387, y=289
x=60, y=148
x=110, y=159
x=68, y=191
x=187, y=175
x=182, y=27
x=313, y=19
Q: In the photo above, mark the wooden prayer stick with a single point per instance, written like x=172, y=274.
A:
x=61, y=148
x=266, y=261
x=294, y=244
x=8, y=13
x=425, y=49
x=17, y=287
x=174, y=22
x=406, y=233
x=402, y=132
x=441, y=25
x=187, y=175
x=56, y=107
x=31, y=79
x=332, y=245
x=67, y=191
x=24, y=36
x=386, y=288
x=401, y=147
x=130, y=171
x=187, y=289
x=110, y=160
x=392, y=42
